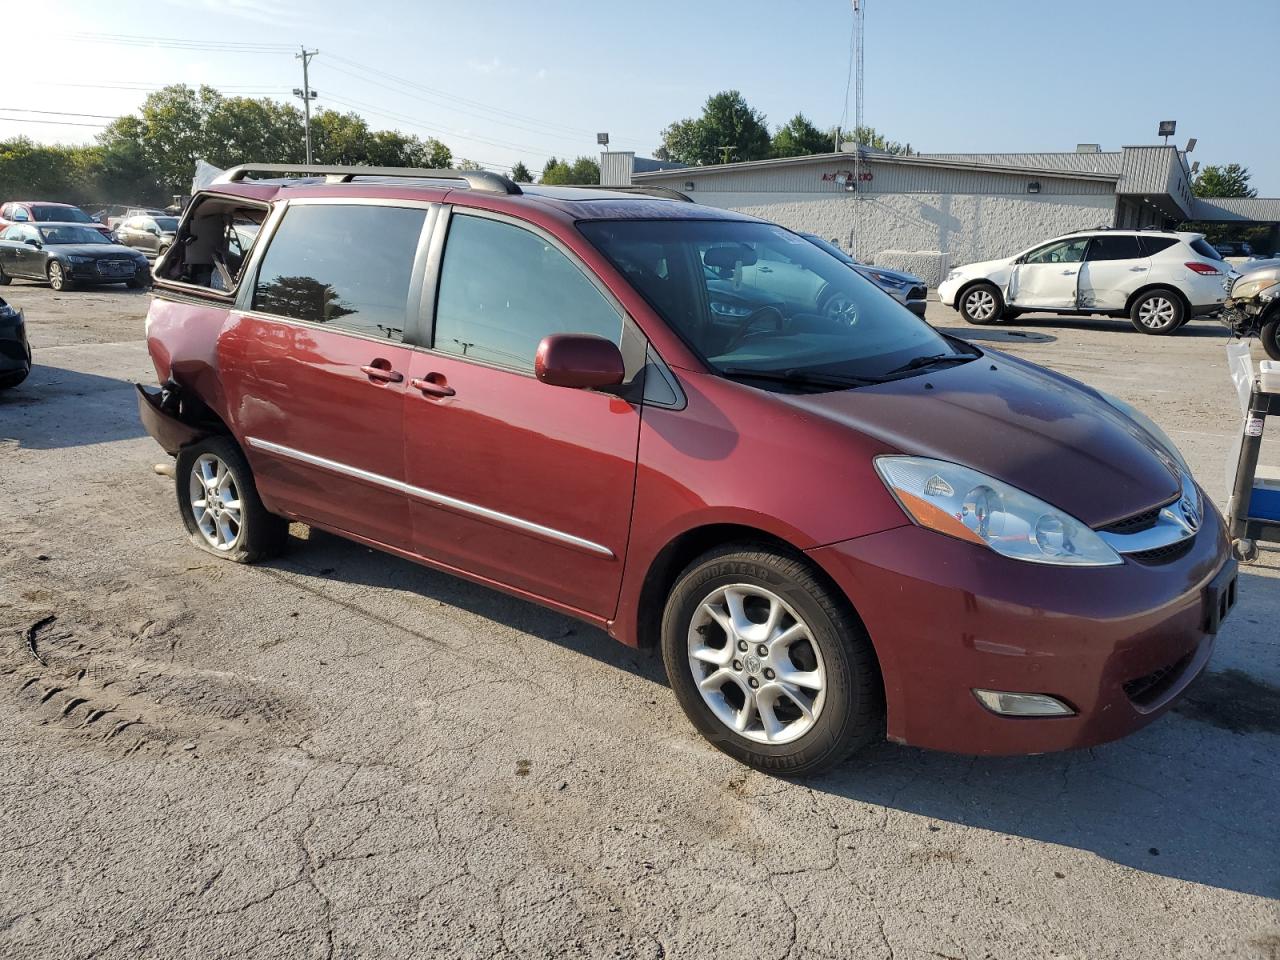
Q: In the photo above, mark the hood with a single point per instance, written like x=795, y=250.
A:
x=1043, y=433
x=1260, y=270
x=867, y=269
x=985, y=267
x=99, y=251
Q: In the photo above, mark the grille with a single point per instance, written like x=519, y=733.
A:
x=1168, y=554
x=1137, y=523
x=1149, y=688
x=115, y=268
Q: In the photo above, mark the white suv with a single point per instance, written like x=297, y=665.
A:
x=1159, y=280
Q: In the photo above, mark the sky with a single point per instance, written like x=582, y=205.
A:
x=500, y=82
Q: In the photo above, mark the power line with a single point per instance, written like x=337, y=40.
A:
x=62, y=113
x=177, y=43
x=55, y=123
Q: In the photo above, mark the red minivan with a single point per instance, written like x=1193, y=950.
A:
x=697, y=431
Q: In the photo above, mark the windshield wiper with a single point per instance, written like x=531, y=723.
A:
x=801, y=378
x=919, y=363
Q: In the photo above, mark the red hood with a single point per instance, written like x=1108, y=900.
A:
x=1039, y=431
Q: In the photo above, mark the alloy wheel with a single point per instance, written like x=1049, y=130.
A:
x=215, y=502
x=56, y=278
x=1157, y=313
x=980, y=304
x=756, y=664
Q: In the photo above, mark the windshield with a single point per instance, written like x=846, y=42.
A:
x=44, y=213
x=831, y=248
x=69, y=233
x=167, y=224
x=755, y=298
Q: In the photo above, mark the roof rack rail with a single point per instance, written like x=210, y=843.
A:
x=653, y=191
x=474, y=179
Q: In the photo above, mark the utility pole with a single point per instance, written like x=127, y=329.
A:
x=306, y=94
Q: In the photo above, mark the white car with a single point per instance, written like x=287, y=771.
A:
x=1158, y=279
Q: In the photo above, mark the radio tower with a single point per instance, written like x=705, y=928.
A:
x=859, y=21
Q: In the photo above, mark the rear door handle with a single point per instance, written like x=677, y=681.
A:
x=384, y=374
x=431, y=387
x=1068, y=273
x=1137, y=269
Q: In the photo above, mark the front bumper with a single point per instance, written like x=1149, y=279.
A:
x=947, y=290
x=94, y=272
x=15, y=349
x=917, y=306
x=1117, y=644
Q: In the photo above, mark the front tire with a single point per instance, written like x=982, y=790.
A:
x=58, y=277
x=1158, y=312
x=982, y=304
x=1270, y=335
x=770, y=664
x=220, y=506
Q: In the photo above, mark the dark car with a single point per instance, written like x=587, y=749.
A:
x=15, y=350
x=66, y=254
x=906, y=288
x=43, y=211
x=150, y=233
x=836, y=525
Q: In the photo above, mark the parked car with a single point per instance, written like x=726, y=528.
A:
x=150, y=233
x=835, y=524
x=1232, y=248
x=66, y=254
x=1158, y=279
x=15, y=349
x=22, y=211
x=1253, y=305
x=906, y=288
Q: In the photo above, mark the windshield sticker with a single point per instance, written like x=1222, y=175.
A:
x=787, y=235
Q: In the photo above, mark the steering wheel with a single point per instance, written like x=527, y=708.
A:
x=744, y=329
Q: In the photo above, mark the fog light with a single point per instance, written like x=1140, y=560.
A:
x=1022, y=704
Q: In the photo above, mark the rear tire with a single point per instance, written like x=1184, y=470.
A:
x=1158, y=312
x=220, y=506
x=982, y=304
x=769, y=664
x=1270, y=336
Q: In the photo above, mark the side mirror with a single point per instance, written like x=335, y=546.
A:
x=579, y=360
x=32, y=242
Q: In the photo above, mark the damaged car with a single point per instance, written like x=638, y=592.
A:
x=1253, y=306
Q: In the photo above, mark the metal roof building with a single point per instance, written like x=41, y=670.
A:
x=928, y=211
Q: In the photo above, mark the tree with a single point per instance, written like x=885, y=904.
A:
x=520, y=173
x=798, y=137
x=583, y=170
x=465, y=164
x=728, y=130
x=869, y=138
x=1231, y=180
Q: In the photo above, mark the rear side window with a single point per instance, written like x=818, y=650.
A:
x=1154, y=245
x=504, y=288
x=1117, y=247
x=1202, y=247
x=347, y=267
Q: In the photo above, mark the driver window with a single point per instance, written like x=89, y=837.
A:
x=1064, y=251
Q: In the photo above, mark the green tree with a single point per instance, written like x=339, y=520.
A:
x=1231, y=180
x=583, y=170
x=465, y=164
x=520, y=173
x=869, y=138
x=798, y=137
x=729, y=129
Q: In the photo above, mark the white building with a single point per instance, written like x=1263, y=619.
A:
x=926, y=212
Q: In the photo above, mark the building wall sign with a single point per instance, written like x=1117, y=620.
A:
x=846, y=176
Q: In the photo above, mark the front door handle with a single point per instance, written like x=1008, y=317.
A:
x=1068, y=273
x=1137, y=269
x=433, y=388
x=381, y=371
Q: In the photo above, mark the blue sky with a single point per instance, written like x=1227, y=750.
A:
x=508, y=81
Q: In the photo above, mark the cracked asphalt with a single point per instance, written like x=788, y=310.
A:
x=342, y=754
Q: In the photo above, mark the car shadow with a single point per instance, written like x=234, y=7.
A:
x=56, y=407
x=1194, y=328
x=1188, y=797
x=330, y=557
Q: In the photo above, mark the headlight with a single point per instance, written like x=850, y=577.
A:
x=1249, y=287
x=968, y=505
x=74, y=258
x=955, y=275
x=1149, y=426
x=722, y=309
x=891, y=281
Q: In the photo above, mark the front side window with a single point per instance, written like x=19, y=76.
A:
x=1118, y=247
x=1064, y=251
x=348, y=267
x=755, y=300
x=504, y=288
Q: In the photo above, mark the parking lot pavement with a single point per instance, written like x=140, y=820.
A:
x=342, y=754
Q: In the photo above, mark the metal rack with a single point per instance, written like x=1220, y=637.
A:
x=475, y=179
x=1245, y=530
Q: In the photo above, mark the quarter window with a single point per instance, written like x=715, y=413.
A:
x=504, y=288
x=347, y=267
x=1118, y=247
x=1064, y=251
x=1153, y=245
